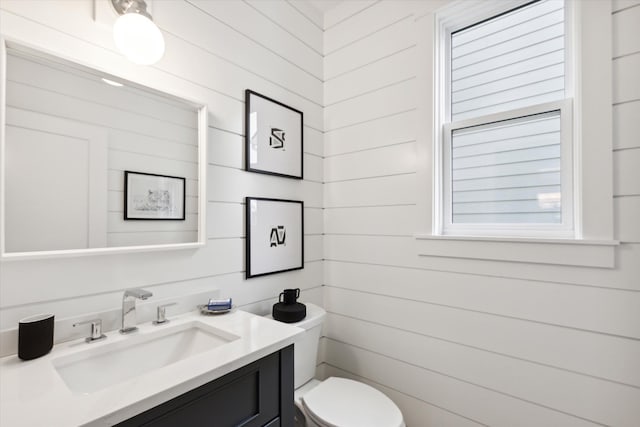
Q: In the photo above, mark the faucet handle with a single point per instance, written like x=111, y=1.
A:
x=96, y=330
x=161, y=317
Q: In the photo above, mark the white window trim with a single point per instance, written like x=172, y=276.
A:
x=539, y=251
x=592, y=144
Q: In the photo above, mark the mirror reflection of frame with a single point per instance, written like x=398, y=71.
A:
x=69, y=133
x=149, y=196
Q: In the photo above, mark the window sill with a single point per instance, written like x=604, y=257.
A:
x=584, y=253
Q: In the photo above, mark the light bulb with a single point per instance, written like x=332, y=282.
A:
x=138, y=38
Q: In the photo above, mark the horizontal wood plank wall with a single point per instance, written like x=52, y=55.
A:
x=215, y=50
x=464, y=342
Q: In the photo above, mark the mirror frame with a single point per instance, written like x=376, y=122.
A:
x=203, y=129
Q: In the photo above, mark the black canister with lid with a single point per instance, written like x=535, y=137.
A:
x=35, y=336
x=287, y=309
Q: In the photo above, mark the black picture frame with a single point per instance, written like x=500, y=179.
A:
x=273, y=145
x=267, y=238
x=167, y=203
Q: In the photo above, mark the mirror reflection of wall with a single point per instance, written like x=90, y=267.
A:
x=71, y=132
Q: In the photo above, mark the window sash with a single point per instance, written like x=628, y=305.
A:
x=494, y=59
x=564, y=228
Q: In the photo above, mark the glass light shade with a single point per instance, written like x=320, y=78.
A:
x=138, y=38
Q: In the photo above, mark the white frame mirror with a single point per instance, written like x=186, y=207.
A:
x=202, y=130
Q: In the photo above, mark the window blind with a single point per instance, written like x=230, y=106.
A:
x=511, y=61
x=507, y=172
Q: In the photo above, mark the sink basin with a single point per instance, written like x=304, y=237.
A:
x=105, y=365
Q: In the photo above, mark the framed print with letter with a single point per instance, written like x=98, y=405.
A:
x=275, y=237
x=273, y=137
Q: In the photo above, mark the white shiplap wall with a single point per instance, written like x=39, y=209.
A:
x=215, y=50
x=465, y=342
x=453, y=342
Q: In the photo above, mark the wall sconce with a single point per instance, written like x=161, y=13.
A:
x=135, y=34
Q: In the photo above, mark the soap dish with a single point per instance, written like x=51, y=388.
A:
x=205, y=310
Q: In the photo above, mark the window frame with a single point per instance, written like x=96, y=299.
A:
x=594, y=245
x=449, y=21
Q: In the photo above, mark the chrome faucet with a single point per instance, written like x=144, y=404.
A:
x=129, y=308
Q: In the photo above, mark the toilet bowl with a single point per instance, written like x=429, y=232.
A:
x=334, y=402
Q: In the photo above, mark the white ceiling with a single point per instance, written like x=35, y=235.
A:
x=324, y=5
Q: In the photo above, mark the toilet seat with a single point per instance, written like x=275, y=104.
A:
x=340, y=402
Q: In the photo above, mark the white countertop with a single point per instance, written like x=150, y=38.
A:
x=32, y=393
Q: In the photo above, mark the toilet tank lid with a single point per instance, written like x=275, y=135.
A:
x=315, y=316
x=343, y=402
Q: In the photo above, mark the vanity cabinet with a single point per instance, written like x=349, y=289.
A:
x=256, y=395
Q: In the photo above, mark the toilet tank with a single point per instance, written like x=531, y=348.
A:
x=306, y=347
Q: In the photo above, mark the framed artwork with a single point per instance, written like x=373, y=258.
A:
x=153, y=197
x=275, y=237
x=273, y=137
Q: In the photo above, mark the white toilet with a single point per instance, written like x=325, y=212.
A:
x=334, y=402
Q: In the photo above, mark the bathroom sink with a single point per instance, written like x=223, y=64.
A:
x=108, y=364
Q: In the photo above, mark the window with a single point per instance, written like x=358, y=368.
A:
x=544, y=131
x=506, y=123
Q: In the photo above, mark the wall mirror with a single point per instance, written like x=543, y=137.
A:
x=70, y=134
